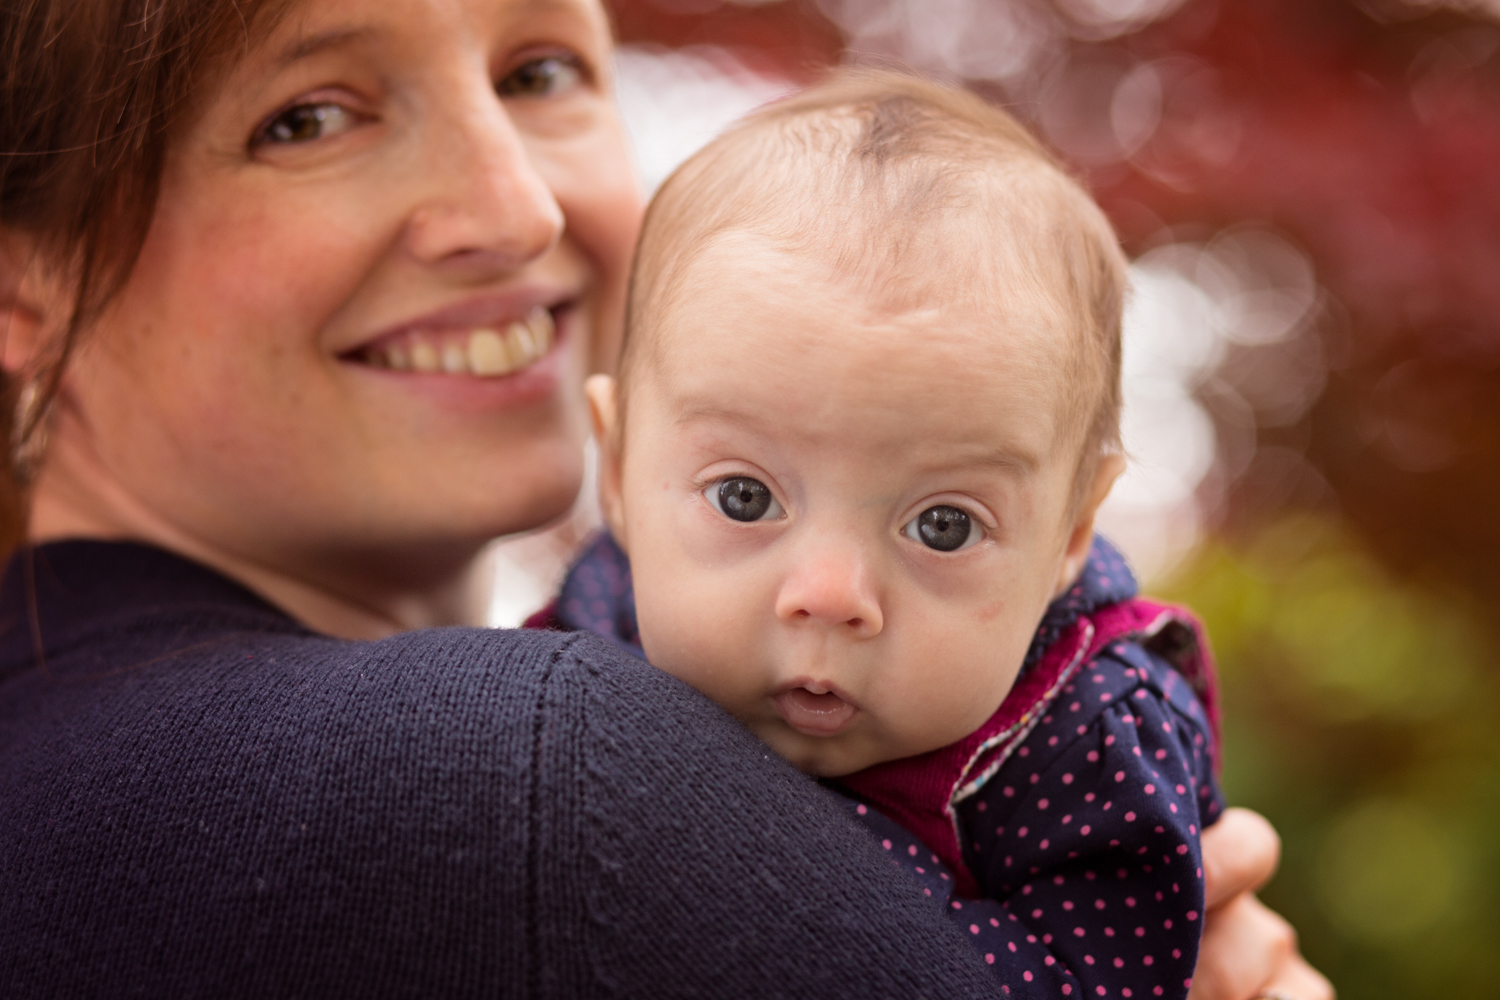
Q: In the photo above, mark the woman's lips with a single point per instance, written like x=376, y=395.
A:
x=456, y=387
x=814, y=713
x=483, y=352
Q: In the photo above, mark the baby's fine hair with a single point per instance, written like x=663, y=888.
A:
x=891, y=178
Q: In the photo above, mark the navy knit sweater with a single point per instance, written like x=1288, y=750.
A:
x=201, y=798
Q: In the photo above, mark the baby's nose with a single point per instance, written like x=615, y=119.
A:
x=835, y=588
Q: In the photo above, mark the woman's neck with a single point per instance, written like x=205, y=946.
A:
x=369, y=598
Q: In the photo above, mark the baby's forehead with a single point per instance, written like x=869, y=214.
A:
x=951, y=298
x=989, y=235
x=791, y=338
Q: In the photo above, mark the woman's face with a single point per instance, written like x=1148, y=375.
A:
x=419, y=183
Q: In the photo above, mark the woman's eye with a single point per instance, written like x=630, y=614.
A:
x=306, y=122
x=743, y=499
x=544, y=77
x=944, y=528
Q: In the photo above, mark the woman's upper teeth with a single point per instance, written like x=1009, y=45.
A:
x=485, y=351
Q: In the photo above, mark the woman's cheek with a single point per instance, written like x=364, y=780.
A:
x=280, y=277
x=603, y=209
x=236, y=288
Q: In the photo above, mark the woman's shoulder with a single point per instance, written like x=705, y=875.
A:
x=104, y=642
x=89, y=612
x=206, y=799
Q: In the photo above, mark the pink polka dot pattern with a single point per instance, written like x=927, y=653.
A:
x=1086, y=844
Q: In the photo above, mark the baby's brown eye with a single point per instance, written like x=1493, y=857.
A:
x=543, y=77
x=743, y=499
x=943, y=528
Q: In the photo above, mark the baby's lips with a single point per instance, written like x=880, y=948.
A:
x=814, y=714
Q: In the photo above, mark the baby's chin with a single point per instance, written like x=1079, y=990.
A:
x=822, y=756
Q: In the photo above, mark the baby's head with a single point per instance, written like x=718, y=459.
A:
x=867, y=408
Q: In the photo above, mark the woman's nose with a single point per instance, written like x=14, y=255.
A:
x=833, y=587
x=486, y=206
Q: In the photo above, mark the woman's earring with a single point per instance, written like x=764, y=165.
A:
x=28, y=435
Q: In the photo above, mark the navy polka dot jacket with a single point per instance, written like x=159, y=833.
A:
x=1062, y=836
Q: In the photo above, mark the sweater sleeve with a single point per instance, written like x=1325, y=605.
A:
x=702, y=864
x=214, y=803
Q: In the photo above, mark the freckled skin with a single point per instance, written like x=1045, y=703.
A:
x=857, y=418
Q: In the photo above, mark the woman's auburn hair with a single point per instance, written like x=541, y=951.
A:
x=91, y=92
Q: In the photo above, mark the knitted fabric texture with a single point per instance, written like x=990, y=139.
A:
x=200, y=798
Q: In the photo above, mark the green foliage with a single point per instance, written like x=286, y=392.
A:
x=1361, y=715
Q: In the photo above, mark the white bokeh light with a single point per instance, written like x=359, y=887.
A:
x=675, y=100
x=971, y=39
x=1170, y=344
x=1190, y=305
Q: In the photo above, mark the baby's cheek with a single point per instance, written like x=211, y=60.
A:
x=951, y=688
x=698, y=649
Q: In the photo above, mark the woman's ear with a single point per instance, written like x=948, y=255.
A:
x=601, y=390
x=27, y=303
x=1081, y=533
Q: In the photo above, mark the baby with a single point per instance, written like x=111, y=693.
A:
x=867, y=409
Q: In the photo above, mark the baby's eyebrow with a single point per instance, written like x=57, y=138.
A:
x=1016, y=462
x=1009, y=461
x=707, y=412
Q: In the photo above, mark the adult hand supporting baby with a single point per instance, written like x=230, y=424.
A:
x=1248, y=950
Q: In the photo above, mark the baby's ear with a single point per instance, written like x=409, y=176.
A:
x=605, y=414
x=1081, y=533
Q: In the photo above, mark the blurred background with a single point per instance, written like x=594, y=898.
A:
x=1310, y=191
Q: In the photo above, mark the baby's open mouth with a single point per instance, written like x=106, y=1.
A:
x=487, y=352
x=814, y=713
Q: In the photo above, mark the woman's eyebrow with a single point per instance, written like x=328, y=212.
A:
x=310, y=45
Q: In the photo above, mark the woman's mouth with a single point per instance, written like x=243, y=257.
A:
x=483, y=352
x=815, y=710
